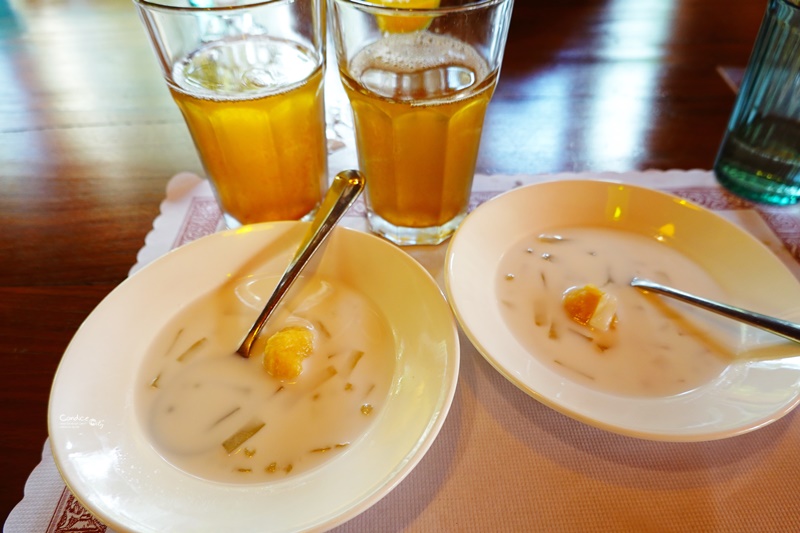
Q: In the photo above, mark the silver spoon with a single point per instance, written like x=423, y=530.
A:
x=345, y=188
x=783, y=328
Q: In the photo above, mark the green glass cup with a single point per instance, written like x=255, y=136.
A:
x=759, y=158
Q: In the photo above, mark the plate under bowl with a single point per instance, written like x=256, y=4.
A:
x=110, y=466
x=750, y=392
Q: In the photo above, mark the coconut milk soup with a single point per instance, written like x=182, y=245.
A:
x=653, y=348
x=221, y=417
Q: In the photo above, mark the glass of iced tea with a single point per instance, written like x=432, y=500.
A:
x=419, y=75
x=247, y=76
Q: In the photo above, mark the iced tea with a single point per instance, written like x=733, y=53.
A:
x=254, y=107
x=418, y=102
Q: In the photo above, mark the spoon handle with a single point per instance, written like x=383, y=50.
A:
x=783, y=328
x=345, y=188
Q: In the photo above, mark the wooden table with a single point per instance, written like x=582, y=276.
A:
x=89, y=137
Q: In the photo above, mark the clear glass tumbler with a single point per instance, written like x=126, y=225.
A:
x=419, y=75
x=759, y=158
x=248, y=77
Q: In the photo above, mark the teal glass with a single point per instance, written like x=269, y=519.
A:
x=759, y=158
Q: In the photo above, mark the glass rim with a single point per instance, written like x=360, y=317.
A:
x=185, y=7
x=373, y=7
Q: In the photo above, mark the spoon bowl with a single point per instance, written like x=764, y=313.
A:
x=344, y=190
x=783, y=328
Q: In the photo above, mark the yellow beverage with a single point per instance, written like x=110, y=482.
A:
x=255, y=110
x=418, y=124
x=404, y=24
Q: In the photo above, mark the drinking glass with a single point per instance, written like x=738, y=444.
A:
x=760, y=155
x=419, y=75
x=247, y=76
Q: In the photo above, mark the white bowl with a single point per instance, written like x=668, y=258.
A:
x=748, y=393
x=109, y=464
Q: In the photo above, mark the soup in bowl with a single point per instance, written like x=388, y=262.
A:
x=181, y=420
